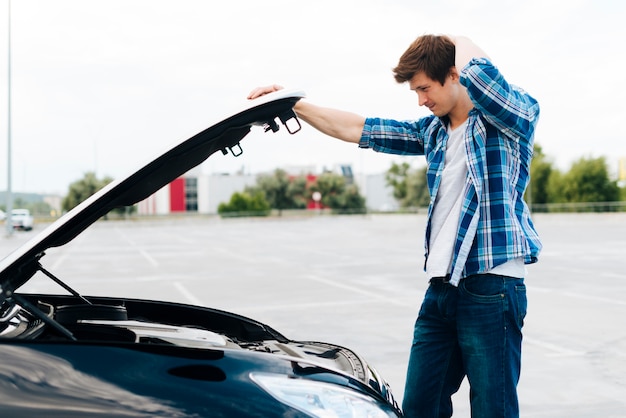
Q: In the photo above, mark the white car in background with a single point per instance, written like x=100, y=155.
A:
x=21, y=219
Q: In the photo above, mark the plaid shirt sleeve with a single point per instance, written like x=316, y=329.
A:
x=395, y=137
x=507, y=107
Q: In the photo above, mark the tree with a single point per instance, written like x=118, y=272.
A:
x=281, y=191
x=555, y=187
x=588, y=181
x=540, y=172
x=352, y=201
x=396, y=177
x=410, y=187
x=81, y=189
x=298, y=191
x=418, y=194
x=245, y=204
x=337, y=194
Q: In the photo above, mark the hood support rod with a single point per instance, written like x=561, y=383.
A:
x=60, y=283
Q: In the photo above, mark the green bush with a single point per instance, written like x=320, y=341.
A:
x=245, y=204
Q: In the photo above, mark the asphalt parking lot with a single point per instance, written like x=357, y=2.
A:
x=358, y=281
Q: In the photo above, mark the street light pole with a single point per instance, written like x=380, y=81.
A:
x=9, y=223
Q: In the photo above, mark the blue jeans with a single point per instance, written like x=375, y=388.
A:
x=474, y=330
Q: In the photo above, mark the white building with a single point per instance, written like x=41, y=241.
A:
x=199, y=193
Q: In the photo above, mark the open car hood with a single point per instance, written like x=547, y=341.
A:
x=19, y=266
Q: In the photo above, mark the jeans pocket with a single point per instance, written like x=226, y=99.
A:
x=483, y=289
x=522, y=304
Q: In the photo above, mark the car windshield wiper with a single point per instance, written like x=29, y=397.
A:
x=35, y=311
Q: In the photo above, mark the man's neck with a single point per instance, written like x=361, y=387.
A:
x=460, y=113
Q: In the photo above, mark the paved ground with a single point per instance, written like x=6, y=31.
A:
x=358, y=281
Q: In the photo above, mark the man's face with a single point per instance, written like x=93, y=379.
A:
x=439, y=99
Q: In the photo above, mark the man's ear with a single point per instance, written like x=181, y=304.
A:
x=453, y=74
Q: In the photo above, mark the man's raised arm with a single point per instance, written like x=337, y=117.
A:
x=465, y=50
x=339, y=124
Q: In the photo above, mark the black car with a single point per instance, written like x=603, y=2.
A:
x=67, y=355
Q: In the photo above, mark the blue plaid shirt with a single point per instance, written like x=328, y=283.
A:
x=495, y=224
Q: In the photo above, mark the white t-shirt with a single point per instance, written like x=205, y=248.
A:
x=444, y=223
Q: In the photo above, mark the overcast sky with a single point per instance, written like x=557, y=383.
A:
x=101, y=85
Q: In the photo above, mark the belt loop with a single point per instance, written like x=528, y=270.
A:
x=441, y=279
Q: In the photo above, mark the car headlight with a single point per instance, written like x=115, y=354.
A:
x=320, y=399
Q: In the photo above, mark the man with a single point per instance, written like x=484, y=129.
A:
x=478, y=145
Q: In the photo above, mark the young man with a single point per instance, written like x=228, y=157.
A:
x=478, y=145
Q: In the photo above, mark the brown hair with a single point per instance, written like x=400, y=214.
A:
x=431, y=54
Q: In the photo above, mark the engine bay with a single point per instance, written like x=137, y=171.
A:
x=130, y=321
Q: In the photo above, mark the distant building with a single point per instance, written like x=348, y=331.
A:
x=193, y=193
x=31, y=200
x=198, y=193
